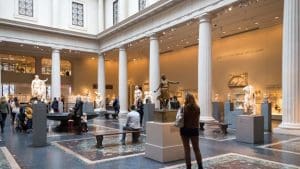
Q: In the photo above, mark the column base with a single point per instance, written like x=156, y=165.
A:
x=286, y=131
x=207, y=118
x=123, y=114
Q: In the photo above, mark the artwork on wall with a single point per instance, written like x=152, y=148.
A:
x=238, y=80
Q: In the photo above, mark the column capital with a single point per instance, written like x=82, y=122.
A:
x=153, y=36
x=56, y=49
x=122, y=47
x=206, y=17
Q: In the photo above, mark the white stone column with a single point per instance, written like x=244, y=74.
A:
x=101, y=76
x=123, y=10
x=55, y=74
x=204, y=68
x=101, y=15
x=154, y=68
x=290, y=69
x=123, y=86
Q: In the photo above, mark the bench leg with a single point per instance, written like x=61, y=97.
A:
x=99, y=141
x=106, y=116
x=201, y=126
x=114, y=116
x=135, y=137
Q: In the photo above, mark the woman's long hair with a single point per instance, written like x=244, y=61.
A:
x=190, y=101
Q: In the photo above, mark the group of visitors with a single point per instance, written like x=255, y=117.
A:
x=21, y=116
x=79, y=117
x=57, y=105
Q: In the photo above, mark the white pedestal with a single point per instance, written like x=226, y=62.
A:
x=163, y=142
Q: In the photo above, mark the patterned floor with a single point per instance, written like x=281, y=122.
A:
x=6, y=160
x=236, y=161
x=85, y=149
x=213, y=132
x=4, y=164
x=91, y=128
x=290, y=146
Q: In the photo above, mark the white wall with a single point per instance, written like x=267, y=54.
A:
x=43, y=13
x=108, y=13
x=133, y=7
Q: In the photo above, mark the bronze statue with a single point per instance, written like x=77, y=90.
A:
x=164, y=91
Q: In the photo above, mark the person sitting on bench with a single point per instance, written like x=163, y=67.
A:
x=132, y=123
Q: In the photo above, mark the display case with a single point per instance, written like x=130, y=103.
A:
x=65, y=67
x=17, y=64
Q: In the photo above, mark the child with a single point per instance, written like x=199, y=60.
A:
x=84, y=122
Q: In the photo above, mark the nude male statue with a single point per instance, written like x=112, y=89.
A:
x=164, y=91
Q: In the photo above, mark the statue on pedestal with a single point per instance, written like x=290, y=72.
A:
x=164, y=91
x=249, y=100
x=38, y=88
x=99, y=102
x=138, y=94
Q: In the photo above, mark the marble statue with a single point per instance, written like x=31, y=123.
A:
x=164, y=91
x=249, y=100
x=138, y=94
x=38, y=87
x=99, y=100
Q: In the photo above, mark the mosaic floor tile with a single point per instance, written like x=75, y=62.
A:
x=237, y=161
x=85, y=148
x=213, y=132
x=290, y=146
x=92, y=128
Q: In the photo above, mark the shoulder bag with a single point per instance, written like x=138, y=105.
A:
x=179, y=122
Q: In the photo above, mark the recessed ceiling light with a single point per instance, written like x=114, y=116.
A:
x=164, y=33
x=21, y=45
x=230, y=9
x=239, y=28
x=256, y=23
x=246, y=28
x=277, y=17
x=223, y=32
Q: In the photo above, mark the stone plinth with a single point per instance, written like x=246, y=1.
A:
x=231, y=116
x=163, y=142
x=87, y=107
x=148, y=112
x=39, y=125
x=250, y=129
x=218, y=111
x=164, y=115
x=266, y=111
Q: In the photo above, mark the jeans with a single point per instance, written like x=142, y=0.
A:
x=4, y=115
x=187, y=151
x=124, y=134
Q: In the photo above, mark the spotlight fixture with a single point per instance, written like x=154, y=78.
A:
x=21, y=45
x=277, y=17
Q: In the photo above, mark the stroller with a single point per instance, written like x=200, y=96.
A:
x=24, y=119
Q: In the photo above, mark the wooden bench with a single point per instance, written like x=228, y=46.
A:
x=100, y=136
x=223, y=126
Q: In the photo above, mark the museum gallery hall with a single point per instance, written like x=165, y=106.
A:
x=149, y=84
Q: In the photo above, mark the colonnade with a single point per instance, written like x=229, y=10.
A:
x=290, y=68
